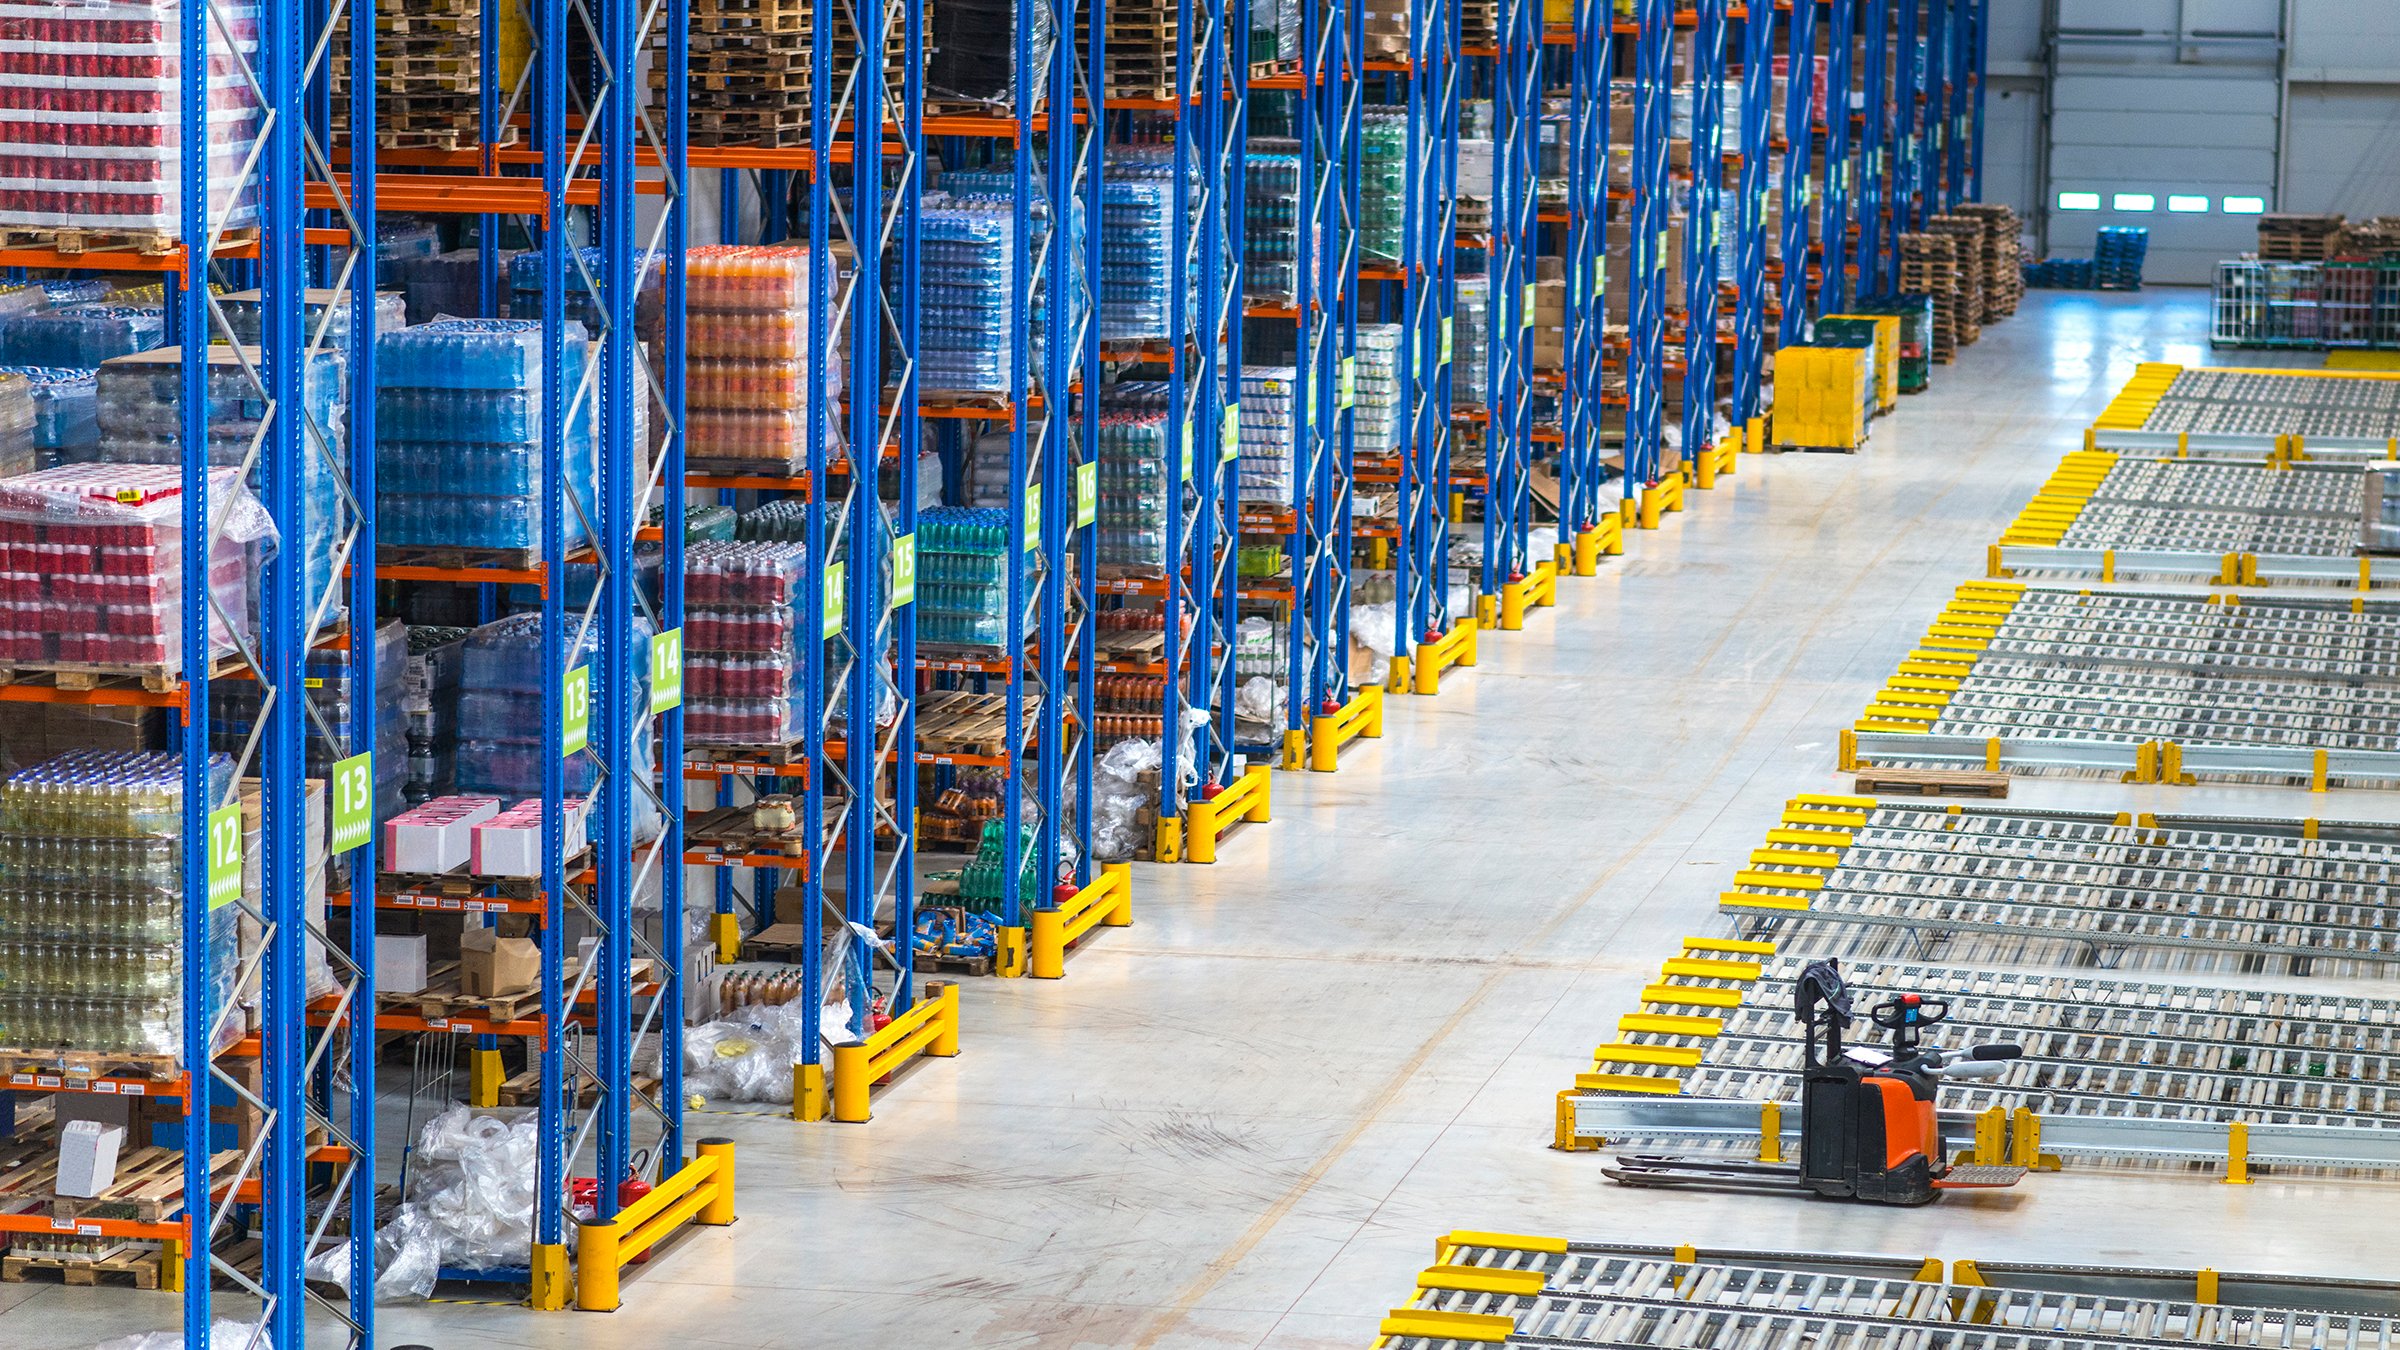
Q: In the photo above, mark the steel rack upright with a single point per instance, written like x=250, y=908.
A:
x=594, y=152
x=1427, y=635
x=1878, y=264
x=1209, y=114
x=1800, y=135
x=1328, y=96
x=1841, y=40
x=1646, y=354
x=1962, y=79
x=1590, y=519
x=1930, y=168
x=1703, y=220
x=1516, y=95
x=1045, y=145
x=1908, y=134
x=1978, y=60
x=1750, y=242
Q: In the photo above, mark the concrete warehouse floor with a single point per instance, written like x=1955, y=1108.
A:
x=1243, y=1121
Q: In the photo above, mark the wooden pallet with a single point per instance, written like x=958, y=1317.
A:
x=69, y=1066
x=458, y=559
x=69, y=240
x=729, y=828
x=525, y=1089
x=138, y=1267
x=148, y=1187
x=1932, y=782
x=955, y=722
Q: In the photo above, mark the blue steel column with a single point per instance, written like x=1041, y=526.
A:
x=1799, y=132
x=1750, y=250
x=675, y=170
x=282, y=639
x=1873, y=151
x=1937, y=103
x=1700, y=230
x=613, y=693
x=1189, y=543
x=550, y=1189
x=863, y=523
x=1085, y=546
x=1907, y=142
x=1580, y=470
x=1428, y=260
x=1646, y=364
x=365, y=698
x=904, y=301
x=823, y=408
x=1963, y=46
x=1841, y=39
x=1980, y=72
x=188, y=297
x=1312, y=358
x=1516, y=115
x=1225, y=121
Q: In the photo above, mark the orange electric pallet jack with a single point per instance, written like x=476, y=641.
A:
x=1868, y=1128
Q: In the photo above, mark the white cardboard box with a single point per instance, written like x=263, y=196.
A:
x=436, y=836
x=87, y=1157
x=399, y=963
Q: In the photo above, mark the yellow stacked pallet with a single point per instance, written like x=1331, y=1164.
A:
x=1821, y=398
x=1886, y=355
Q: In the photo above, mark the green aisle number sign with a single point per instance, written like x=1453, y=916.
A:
x=1033, y=516
x=1525, y=316
x=666, y=670
x=1187, y=449
x=904, y=570
x=224, y=856
x=1346, y=388
x=1087, y=494
x=353, y=801
x=1448, y=324
x=575, y=706
x=831, y=623
x=1229, y=439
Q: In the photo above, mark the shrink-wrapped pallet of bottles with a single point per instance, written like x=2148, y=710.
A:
x=1383, y=183
x=66, y=412
x=506, y=698
x=79, y=335
x=1271, y=219
x=962, y=576
x=103, y=84
x=1376, y=408
x=747, y=360
x=92, y=906
x=460, y=408
x=743, y=665
x=234, y=705
x=91, y=566
x=1270, y=420
x=1133, y=476
x=429, y=688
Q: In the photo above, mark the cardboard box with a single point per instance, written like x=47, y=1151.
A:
x=399, y=963
x=436, y=836
x=490, y=965
x=87, y=1157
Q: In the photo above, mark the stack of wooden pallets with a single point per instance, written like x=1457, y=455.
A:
x=750, y=63
x=1970, y=232
x=1929, y=266
x=429, y=72
x=2003, y=257
x=2286, y=237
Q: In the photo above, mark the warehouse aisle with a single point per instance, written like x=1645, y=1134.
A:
x=1243, y=1121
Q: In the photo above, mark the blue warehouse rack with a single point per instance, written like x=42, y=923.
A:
x=1590, y=516
x=1841, y=43
x=1878, y=260
x=1514, y=85
x=1758, y=142
x=1427, y=635
x=1205, y=784
x=1702, y=222
x=1799, y=122
x=1646, y=357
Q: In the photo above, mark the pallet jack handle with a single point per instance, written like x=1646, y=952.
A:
x=1821, y=1000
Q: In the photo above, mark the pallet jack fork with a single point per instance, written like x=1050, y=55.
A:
x=1868, y=1129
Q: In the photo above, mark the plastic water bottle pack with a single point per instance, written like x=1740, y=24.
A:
x=968, y=546
x=92, y=901
x=460, y=412
x=435, y=284
x=66, y=411
x=503, y=708
x=746, y=384
x=1383, y=183
x=1271, y=219
x=428, y=702
x=82, y=335
x=1376, y=409
x=242, y=315
x=233, y=710
x=1133, y=476
x=744, y=665
x=968, y=330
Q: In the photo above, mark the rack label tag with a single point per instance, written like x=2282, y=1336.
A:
x=1033, y=516
x=904, y=570
x=1525, y=312
x=831, y=623
x=1600, y=279
x=666, y=670
x=1449, y=324
x=353, y=820
x=1087, y=493
x=224, y=856
x=575, y=706
x=1229, y=434
x=1185, y=450
x=1345, y=393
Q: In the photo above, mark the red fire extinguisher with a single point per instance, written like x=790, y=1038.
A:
x=633, y=1188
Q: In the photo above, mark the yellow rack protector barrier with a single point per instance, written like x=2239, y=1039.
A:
x=1361, y=717
x=1454, y=648
x=1246, y=799
x=1607, y=537
x=929, y=1028
x=1538, y=587
x=700, y=1191
x=1107, y=902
